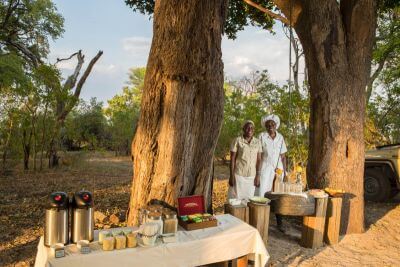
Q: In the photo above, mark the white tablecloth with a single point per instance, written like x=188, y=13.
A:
x=231, y=239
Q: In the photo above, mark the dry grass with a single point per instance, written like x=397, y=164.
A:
x=23, y=194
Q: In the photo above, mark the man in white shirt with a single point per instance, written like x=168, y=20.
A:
x=273, y=156
x=273, y=159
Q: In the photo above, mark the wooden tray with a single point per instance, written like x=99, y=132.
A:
x=196, y=226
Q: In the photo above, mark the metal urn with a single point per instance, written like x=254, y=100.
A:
x=82, y=221
x=56, y=225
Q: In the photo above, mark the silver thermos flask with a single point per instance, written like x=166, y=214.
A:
x=56, y=225
x=82, y=221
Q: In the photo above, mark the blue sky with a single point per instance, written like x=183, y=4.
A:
x=125, y=38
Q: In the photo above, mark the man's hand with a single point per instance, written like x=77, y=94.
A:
x=257, y=181
x=232, y=180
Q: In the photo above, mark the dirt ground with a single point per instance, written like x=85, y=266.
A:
x=23, y=194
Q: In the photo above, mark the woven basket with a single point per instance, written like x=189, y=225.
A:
x=292, y=205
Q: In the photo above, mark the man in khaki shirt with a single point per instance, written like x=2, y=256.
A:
x=245, y=163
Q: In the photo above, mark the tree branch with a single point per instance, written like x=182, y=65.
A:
x=391, y=107
x=68, y=58
x=71, y=80
x=388, y=51
x=10, y=10
x=374, y=76
x=35, y=60
x=268, y=12
x=291, y=9
x=67, y=109
x=86, y=74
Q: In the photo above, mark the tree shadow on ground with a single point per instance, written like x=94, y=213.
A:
x=375, y=210
x=21, y=254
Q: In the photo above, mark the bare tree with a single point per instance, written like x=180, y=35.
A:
x=66, y=102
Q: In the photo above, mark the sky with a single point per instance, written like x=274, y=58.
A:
x=125, y=37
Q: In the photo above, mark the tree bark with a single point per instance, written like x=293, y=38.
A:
x=182, y=104
x=337, y=41
x=26, y=145
x=53, y=148
x=337, y=38
x=43, y=135
x=7, y=142
x=34, y=145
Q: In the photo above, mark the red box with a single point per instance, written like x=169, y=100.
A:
x=191, y=205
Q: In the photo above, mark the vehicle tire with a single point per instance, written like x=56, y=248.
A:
x=376, y=186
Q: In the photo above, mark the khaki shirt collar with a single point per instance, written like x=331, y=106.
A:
x=245, y=141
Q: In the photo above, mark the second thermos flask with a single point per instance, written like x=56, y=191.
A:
x=82, y=219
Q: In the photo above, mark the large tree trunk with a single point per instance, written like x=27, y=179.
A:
x=182, y=104
x=337, y=41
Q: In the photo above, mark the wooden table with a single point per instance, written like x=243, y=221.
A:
x=313, y=210
x=332, y=225
x=259, y=218
x=239, y=211
x=312, y=233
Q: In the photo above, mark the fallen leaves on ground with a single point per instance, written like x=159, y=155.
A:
x=23, y=196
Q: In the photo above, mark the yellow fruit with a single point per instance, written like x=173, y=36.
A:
x=279, y=171
x=334, y=192
x=299, y=169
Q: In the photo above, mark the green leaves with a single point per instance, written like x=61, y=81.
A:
x=255, y=96
x=239, y=14
x=383, y=122
x=12, y=71
x=142, y=6
x=123, y=110
x=26, y=27
x=86, y=127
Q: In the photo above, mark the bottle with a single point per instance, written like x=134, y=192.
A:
x=299, y=183
x=170, y=223
x=155, y=217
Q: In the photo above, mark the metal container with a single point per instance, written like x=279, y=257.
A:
x=82, y=221
x=292, y=205
x=56, y=225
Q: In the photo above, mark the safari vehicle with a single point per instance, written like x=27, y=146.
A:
x=381, y=174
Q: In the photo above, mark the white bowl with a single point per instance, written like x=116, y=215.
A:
x=149, y=241
x=235, y=201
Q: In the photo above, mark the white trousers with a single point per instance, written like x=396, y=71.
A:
x=266, y=179
x=243, y=189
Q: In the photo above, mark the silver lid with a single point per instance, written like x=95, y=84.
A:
x=154, y=216
x=170, y=215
